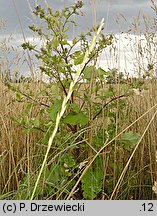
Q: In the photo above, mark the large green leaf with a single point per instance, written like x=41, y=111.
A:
x=76, y=118
x=130, y=139
x=78, y=57
x=92, y=180
x=54, y=109
x=75, y=108
x=101, y=72
x=87, y=72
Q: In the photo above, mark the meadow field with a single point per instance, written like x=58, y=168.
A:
x=85, y=134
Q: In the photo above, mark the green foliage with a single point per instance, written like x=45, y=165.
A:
x=92, y=180
x=54, y=109
x=88, y=71
x=105, y=93
x=77, y=57
x=58, y=55
x=74, y=107
x=99, y=73
x=129, y=140
x=76, y=118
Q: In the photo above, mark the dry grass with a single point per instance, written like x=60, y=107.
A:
x=18, y=148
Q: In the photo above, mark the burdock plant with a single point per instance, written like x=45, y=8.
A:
x=58, y=55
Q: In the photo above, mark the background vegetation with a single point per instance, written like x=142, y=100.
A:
x=106, y=143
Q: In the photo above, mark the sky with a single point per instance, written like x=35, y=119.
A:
x=122, y=12
x=107, y=9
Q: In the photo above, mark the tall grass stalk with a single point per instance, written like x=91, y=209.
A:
x=65, y=101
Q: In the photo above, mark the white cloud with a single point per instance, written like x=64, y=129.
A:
x=130, y=53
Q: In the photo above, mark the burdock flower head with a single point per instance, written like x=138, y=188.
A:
x=79, y=4
x=39, y=11
x=37, y=8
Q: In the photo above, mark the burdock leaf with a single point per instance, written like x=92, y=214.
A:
x=76, y=118
x=130, y=139
x=54, y=109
